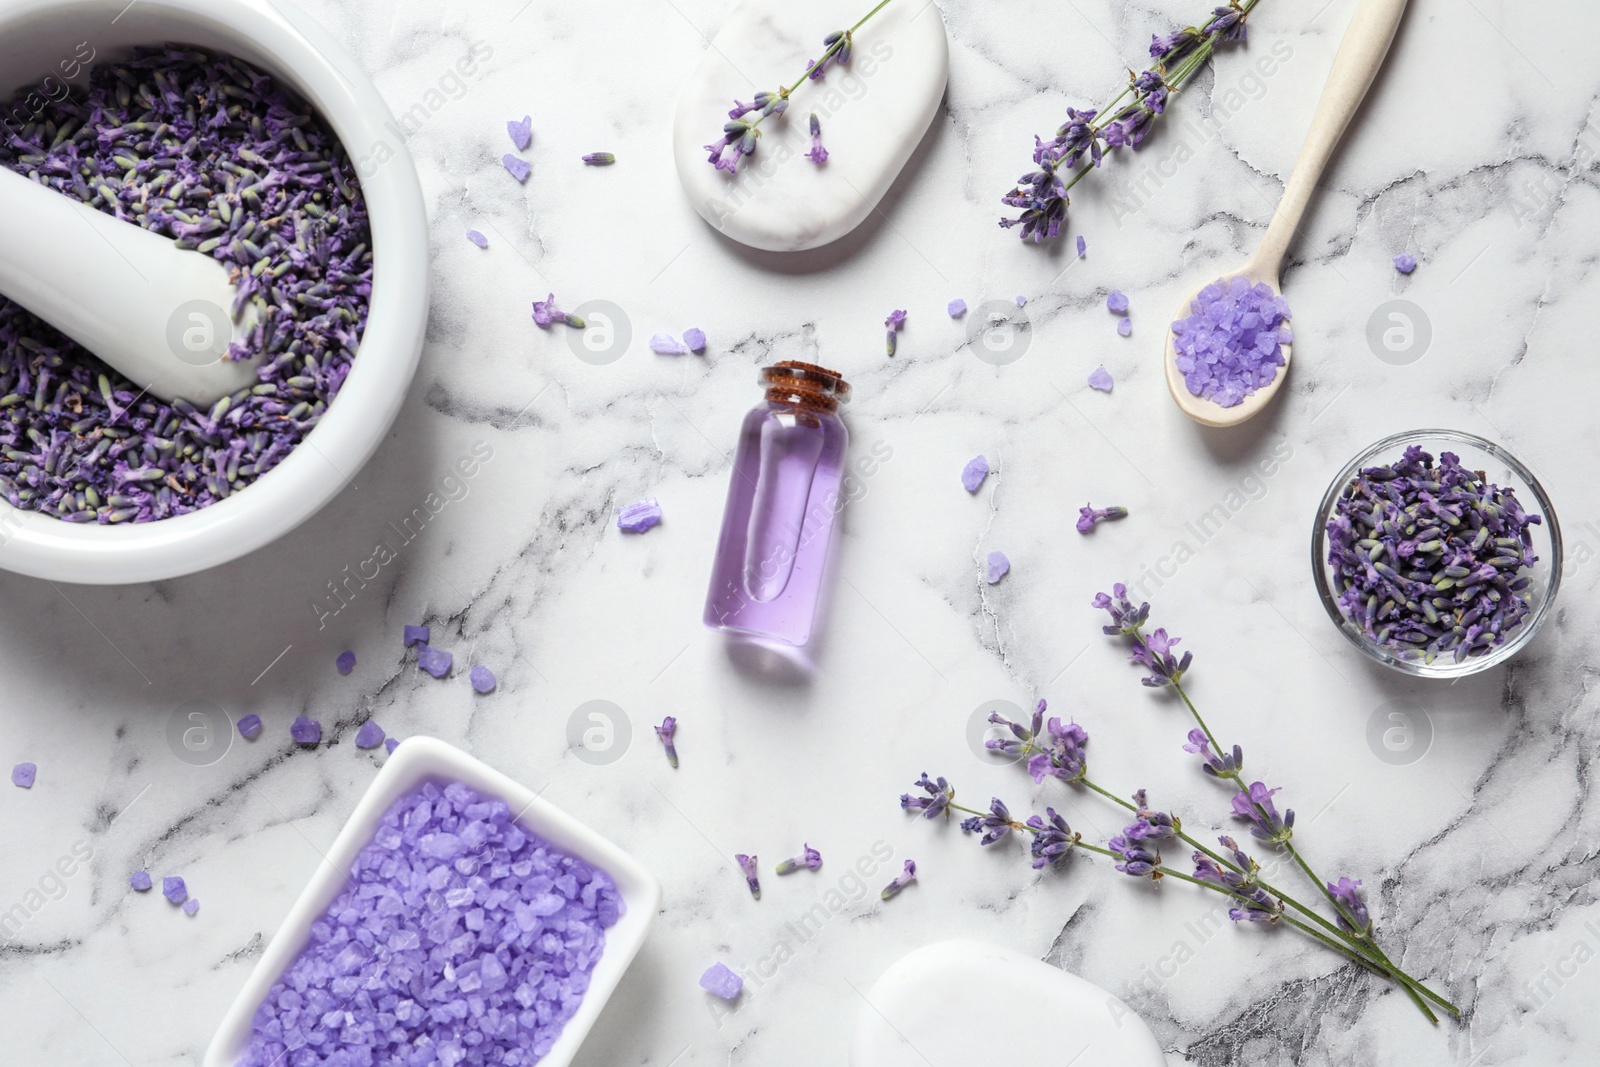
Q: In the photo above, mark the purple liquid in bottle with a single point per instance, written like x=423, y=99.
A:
x=783, y=497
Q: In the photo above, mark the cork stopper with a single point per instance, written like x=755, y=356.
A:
x=805, y=386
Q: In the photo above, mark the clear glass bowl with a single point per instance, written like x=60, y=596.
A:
x=1499, y=467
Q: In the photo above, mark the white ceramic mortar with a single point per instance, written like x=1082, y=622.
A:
x=36, y=37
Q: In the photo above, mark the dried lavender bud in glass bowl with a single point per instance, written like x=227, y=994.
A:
x=1437, y=553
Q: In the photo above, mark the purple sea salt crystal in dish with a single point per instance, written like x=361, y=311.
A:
x=477, y=238
x=459, y=938
x=261, y=186
x=346, y=662
x=1231, y=343
x=519, y=168
x=809, y=858
x=415, y=635
x=305, y=731
x=521, y=132
x=907, y=875
x=140, y=881
x=23, y=774
x=637, y=518
x=666, y=732
x=599, y=159
x=973, y=474
x=250, y=726
x=191, y=906
x=1125, y=326
x=1089, y=516
x=482, y=679
x=436, y=661
x=957, y=308
x=996, y=566
x=1117, y=302
x=747, y=864
x=1405, y=263
x=664, y=344
x=719, y=981
x=695, y=338
x=1101, y=379
x=370, y=735
x=174, y=890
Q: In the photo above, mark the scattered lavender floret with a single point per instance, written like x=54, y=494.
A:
x=1083, y=247
x=809, y=858
x=747, y=864
x=637, y=518
x=996, y=566
x=667, y=732
x=436, y=661
x=1101, y=379
x=973, y=474
x=23, y=774
x=957, y=308
x=817, y=154
x=174, y=890
x=221, y=158
x=1231, y=343
x=346, y=662
x=1117, y=301
x=1125, y=326
x=250, y=726
x=1405, y=263
x=1089, y=516
x=370, y=735
x=1431, y=560
x=664, y=344
x=390, y=744
x=482, y=679
x=140, y=881
x=305, y=731
x=415, y=635
x=906, y=876
x=599, y=159
x=894, y=322
x=695, y=338
x=720, y=981
x=477, y=238
x=460, y=938
x=546, y=314
x=519, y=168
x=191, y=906
x=521, y=132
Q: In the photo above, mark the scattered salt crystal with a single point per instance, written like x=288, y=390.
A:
x=370, y=735
x=996, y=566
x=191, y=906
x=346, y=662
x=477, y=238
x=1117, y=301
x=250, y=726
x=695, y=338
x=482, y=679
x=1124, y=326
x=957, y=308
x=173, y=889
x=1083, y=247
x=416, y=635
x=436, y=661
x=664, y=344
x=721, y=981
x=973, y=474
x=1405, y=263
x=521, y=132
x=1022, y=301
x=637, y=518
x=519, y=168
x=140, y=880
x=23, y=775
x=1101, y=379
x=305, y=731
x=390, y=744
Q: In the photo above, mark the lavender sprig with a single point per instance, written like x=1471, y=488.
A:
x=1087, y=137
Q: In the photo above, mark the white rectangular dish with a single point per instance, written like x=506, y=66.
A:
x=415, y=761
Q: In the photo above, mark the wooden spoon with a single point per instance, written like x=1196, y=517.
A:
x=1365, y=44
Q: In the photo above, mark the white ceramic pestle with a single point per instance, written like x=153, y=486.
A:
x=1366, y=43
x=155, y=312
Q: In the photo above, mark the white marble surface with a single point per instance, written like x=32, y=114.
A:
x=1474, y=152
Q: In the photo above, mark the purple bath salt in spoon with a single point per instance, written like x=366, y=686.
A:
x=1366, y=43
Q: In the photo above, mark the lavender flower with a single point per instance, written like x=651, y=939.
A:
x=1150, y=825
x=1155, y=653
x=1257, y=808
x=1252, y=903
x=668, y=728
x=1021, y=741
x=1138, y=860
x=1125, y=618
x=1062, y=753
x=599, y=159
x=1218, y=766
x=995, y=825
x=810, y=859
x=1169, y=48
x=837, y=47
x=1090, y=516
x=748, y=865
x=545, y=313
x=905, y=878
x=1052, y=839
x=1352, y=902
x=1227, y=22
x=1041, y=195
x=818, y=154
x=936, y=803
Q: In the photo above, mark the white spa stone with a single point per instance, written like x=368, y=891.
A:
x=873, y=112
x=921, y=1014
